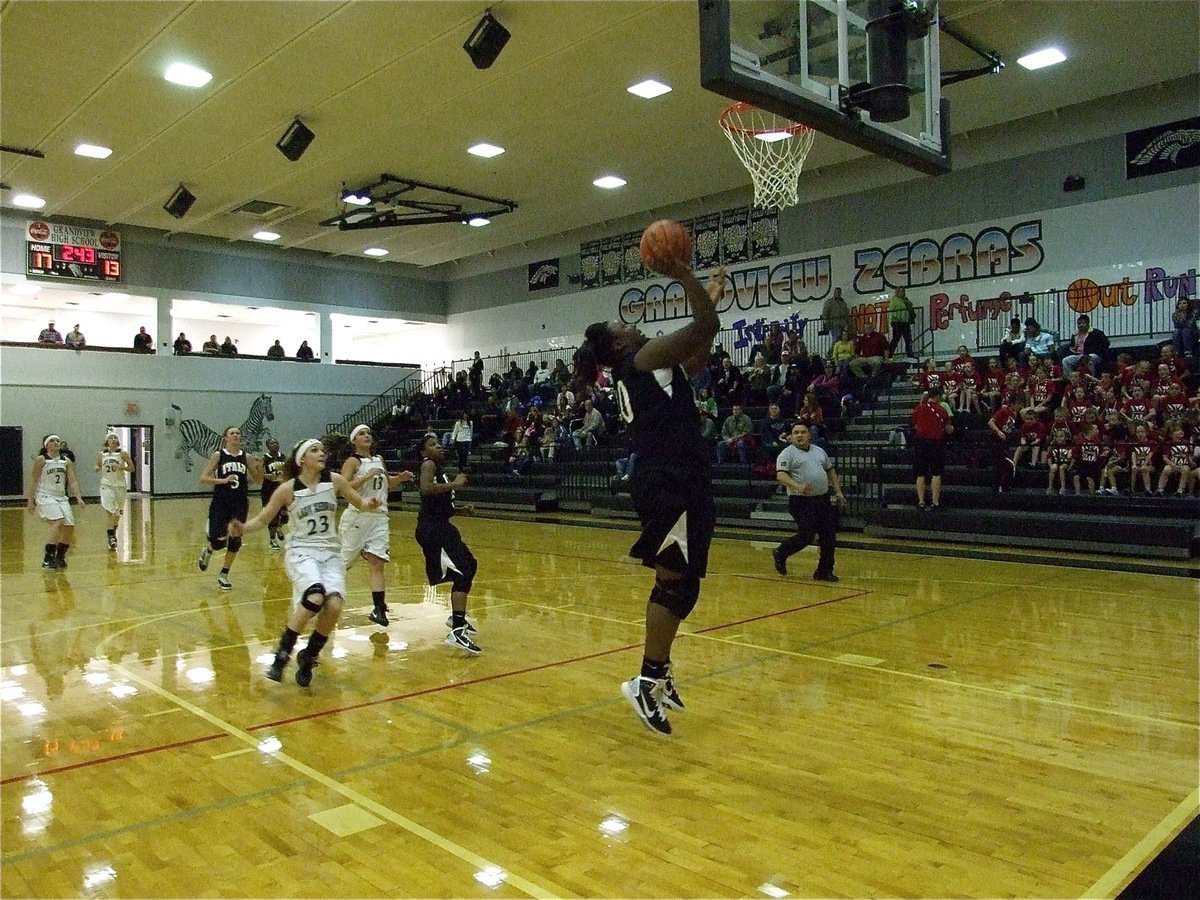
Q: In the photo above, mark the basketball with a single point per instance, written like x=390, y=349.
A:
x=665, y=242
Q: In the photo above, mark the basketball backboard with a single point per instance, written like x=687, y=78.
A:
x=836, y=65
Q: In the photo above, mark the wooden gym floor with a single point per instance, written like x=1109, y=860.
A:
x=927, y=727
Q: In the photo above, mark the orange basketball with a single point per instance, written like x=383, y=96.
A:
x=665, y=242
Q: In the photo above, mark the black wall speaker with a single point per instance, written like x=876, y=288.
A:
x=1074, y=183
x=295, y=140
x=486, y=41
x=181, y=201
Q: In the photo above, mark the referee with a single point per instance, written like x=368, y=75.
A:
x=807, y=473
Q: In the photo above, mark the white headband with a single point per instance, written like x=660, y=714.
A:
x=304, y=447
x=49, y=438
x=357, y=429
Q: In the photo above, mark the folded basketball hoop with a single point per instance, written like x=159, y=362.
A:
x=772, y=148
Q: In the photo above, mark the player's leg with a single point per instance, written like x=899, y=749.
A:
x=308, y=597
x=803, y=512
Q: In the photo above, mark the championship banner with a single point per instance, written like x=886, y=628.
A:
x=735, y=235
x=631, y=263
x=611, y=252
x=764, y=233
x=589, y=265
x=706, y=239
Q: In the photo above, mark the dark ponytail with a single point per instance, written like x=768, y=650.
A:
x=596, y=350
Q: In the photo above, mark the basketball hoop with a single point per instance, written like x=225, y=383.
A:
x=772, y=149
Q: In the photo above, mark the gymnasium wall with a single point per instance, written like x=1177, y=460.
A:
x=76, y=395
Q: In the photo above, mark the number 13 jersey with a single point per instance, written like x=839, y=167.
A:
x=313, y=513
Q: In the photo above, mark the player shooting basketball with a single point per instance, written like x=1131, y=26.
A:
x=671, y=486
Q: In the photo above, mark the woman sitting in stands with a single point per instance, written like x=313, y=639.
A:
x=810, y=414
x=827, y=385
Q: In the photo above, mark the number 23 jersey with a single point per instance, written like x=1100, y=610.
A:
x=312, y=513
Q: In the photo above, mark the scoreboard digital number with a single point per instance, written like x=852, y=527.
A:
x=56, y=250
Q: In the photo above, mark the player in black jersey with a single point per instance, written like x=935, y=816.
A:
x=672, y=485
x=229, y=471
x=273, y=474
x=447, y=558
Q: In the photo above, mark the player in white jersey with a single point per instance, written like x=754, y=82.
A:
x=112, y=463
x=48, y=482
x=313, y=558
x=366, y=534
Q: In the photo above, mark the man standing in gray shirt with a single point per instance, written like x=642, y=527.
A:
x=807, y=473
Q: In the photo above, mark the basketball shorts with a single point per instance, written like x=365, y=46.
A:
x=447, y=557
x=929, y=457
x=306, y=566
x=222, y=512
x=53, y=509
x=363, y=533
x=678, y=517
x=112, y=498
x=1086, y=470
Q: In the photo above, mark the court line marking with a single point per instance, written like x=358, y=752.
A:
x=387, y=814
x=1008, y=693
x=1123, y=870
x=233, y=753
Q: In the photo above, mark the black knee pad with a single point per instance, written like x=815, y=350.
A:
x=678, y=596
x=310, y=605
x=235, y=544
x=461, y=582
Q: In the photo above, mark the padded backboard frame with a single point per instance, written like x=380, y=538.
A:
x=799, y=58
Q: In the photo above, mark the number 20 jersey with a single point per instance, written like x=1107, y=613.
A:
x=312, y=514
x=659, y=409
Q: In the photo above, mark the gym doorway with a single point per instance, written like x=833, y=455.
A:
x=138, y=440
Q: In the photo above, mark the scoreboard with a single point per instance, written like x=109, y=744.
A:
x=57, y=250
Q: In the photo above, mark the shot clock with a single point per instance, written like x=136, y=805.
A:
x=57, y=250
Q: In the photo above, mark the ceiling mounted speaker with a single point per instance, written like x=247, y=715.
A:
x=295, y=140
x=181, y=201
x=486, y=41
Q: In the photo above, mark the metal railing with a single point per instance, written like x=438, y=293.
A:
x=1121, y=309
x=501, y=362
x=739, y=341
x=374, y=410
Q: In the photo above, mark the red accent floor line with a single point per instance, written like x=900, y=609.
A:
x=411, y=694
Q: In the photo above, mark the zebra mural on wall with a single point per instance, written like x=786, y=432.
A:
x=196, y=437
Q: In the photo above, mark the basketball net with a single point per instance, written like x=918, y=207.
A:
x=772, y=149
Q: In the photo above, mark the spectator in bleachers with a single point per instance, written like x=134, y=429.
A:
x=496, y=383
x=1115, y=465
x=550, y=436
x=931, y=427
x=276, y=351
x=590, y=427
x=50, y=335
x=1089, y=453
x=1088, y=342
x=182, y=345
x=1105, y=391
x=541, y=375
x=1185, y=331
x=1039, y=345
x=841, y=353
x=772, y=345
x=211, y=347
x=870, y=352
x=1143, y=453
x=758, y=379
x=625, y=465
x=1173, y=405
x=228, y=347
x=704, y=400
x=1137, y=410
x=461, y=435
x=75, y=339
x=1060, y=458
x=791, y=343
x=1012, y=343
x=827, y=384
x=561, y=374
x=778, y=374
x=1031, y=437
x=531, y=372
x=811, y=414
x=729, y=387
x=992, y=385
x=1179, y=365
x=902, y=315
x=513, y=375
x=475, y=375
x=708, y=426
x=1003, y=431
x=774, y=433
x=737, y=435
x=791, y=394
x=142, y=342
x=304, y=353
x=835, y=316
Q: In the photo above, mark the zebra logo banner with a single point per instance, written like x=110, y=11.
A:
x=196, y=437
x=543, y=274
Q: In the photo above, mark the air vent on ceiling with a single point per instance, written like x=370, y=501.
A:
x=260, y=209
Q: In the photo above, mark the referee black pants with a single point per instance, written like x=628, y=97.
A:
x=813, y=515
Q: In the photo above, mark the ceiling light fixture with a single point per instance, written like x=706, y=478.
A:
x=608, y=182
x=356, y=199
x=94, y=151
x=649, y=89
x=28, y=201
x=187, y=75
x=375, y=251
x=487, y=151
x=1049, y=57
x=265, y=236
x=478, y=222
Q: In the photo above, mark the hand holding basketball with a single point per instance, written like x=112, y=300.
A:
x=666, y=246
